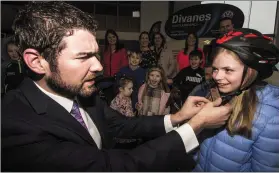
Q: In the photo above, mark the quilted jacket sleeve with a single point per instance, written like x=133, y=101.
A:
x=265, y=151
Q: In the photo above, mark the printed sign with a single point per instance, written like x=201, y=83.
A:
x=202, y=19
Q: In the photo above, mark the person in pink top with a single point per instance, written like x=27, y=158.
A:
x=191, y=43
x=114, y=56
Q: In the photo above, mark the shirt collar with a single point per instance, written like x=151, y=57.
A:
x=63, y=101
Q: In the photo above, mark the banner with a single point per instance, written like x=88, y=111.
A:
x=202, y=19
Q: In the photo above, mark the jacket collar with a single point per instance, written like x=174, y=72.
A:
x=45, y=106
x=35, y=97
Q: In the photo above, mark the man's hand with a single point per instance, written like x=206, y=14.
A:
x=191, y=107
x=212, y=115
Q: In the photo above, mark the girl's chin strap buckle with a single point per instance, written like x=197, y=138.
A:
x=227, y=98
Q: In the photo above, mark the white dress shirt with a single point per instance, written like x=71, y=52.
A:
x=185, y=131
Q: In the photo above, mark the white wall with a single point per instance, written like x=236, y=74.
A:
x=152, y=11
x=263, y=15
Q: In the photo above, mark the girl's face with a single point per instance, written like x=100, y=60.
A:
x=144, y=40
x=111, y=39
x=134, y=59
x=13, y=51
x=127, y=90
x=154, y=79
x=191, y=40
x=227, y=72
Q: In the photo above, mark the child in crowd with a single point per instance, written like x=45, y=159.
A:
x=12, y=70
x=135, y=72
x=154, y=93
x=122, y=102
x=189, y=77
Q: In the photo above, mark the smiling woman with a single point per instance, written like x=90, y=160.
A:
x=115, y=55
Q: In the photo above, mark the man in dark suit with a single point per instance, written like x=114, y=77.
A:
x=53, y=123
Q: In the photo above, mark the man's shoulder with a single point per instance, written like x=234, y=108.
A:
x=11, y=96
x=14, y=103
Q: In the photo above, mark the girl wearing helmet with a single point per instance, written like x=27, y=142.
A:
x=250, y=139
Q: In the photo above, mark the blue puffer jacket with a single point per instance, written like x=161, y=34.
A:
x=233, y=154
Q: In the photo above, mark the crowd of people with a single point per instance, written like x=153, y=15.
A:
x=202, y=110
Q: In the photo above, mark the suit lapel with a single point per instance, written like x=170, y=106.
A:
x=43, y=105
x=96, y=114
x=64, y=119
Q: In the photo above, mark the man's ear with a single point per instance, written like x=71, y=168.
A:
x=34, y=61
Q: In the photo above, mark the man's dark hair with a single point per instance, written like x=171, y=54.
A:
x=195, y=53
x=42, y=26
x=225, y=18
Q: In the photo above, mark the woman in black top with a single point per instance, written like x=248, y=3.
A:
x=148, y=55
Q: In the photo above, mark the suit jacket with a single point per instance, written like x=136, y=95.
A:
x=38, y=134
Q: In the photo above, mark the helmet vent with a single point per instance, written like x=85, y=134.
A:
x=256, y=54
x=242, y=38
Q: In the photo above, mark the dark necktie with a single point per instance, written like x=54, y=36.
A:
x=76, y=113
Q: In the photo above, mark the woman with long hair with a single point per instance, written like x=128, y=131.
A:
x=191, y=43
x=148, y=55
x=164, y=56
x=249, y=140
x=115, y=55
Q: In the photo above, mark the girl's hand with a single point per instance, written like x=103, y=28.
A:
x=138, y=106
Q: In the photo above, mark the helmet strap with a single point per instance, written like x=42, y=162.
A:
x=242, y=80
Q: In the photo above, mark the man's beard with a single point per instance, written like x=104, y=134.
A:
x=70, y=91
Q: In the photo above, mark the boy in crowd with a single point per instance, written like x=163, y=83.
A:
x=189, y=77
x=135, y=72
x=12, y=70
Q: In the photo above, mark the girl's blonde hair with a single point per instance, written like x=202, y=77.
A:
x=131, y=53
x=244, y=105
x=163, y=84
